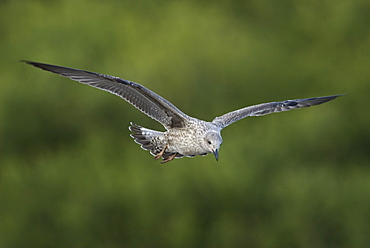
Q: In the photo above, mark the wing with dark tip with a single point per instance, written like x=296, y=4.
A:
x=142, y=98
x=269, y=108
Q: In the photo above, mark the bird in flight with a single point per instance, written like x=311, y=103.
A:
x=185, y=135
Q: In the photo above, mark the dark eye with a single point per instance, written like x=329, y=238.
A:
x=209, y=142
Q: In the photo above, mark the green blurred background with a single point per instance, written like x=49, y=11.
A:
x=70, y=175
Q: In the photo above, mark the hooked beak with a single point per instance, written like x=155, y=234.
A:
x=216, y=154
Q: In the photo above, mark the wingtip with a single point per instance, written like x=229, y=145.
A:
x=29, y=62
x=25, y=61
x=340, y=94
x=336, y=96
x=43, y=66
x=332, y=97
x=325, y=99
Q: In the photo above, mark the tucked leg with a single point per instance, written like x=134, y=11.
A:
x=168, y=159
x=160, y=154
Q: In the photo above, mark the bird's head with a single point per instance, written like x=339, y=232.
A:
x=212, y=142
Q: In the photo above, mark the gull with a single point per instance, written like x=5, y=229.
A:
x=184, y=135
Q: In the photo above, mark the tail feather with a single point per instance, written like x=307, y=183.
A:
x=153, y=141
x=146, y=138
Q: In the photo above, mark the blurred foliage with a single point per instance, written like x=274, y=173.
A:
x=70, y=175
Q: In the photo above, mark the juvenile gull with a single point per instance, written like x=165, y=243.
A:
x=185, y=135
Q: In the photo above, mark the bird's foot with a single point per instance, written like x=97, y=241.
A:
x=160, y=154
x=168, y=159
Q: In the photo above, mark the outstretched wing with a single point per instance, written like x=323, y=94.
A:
x=269, y=108
x=142, y=98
